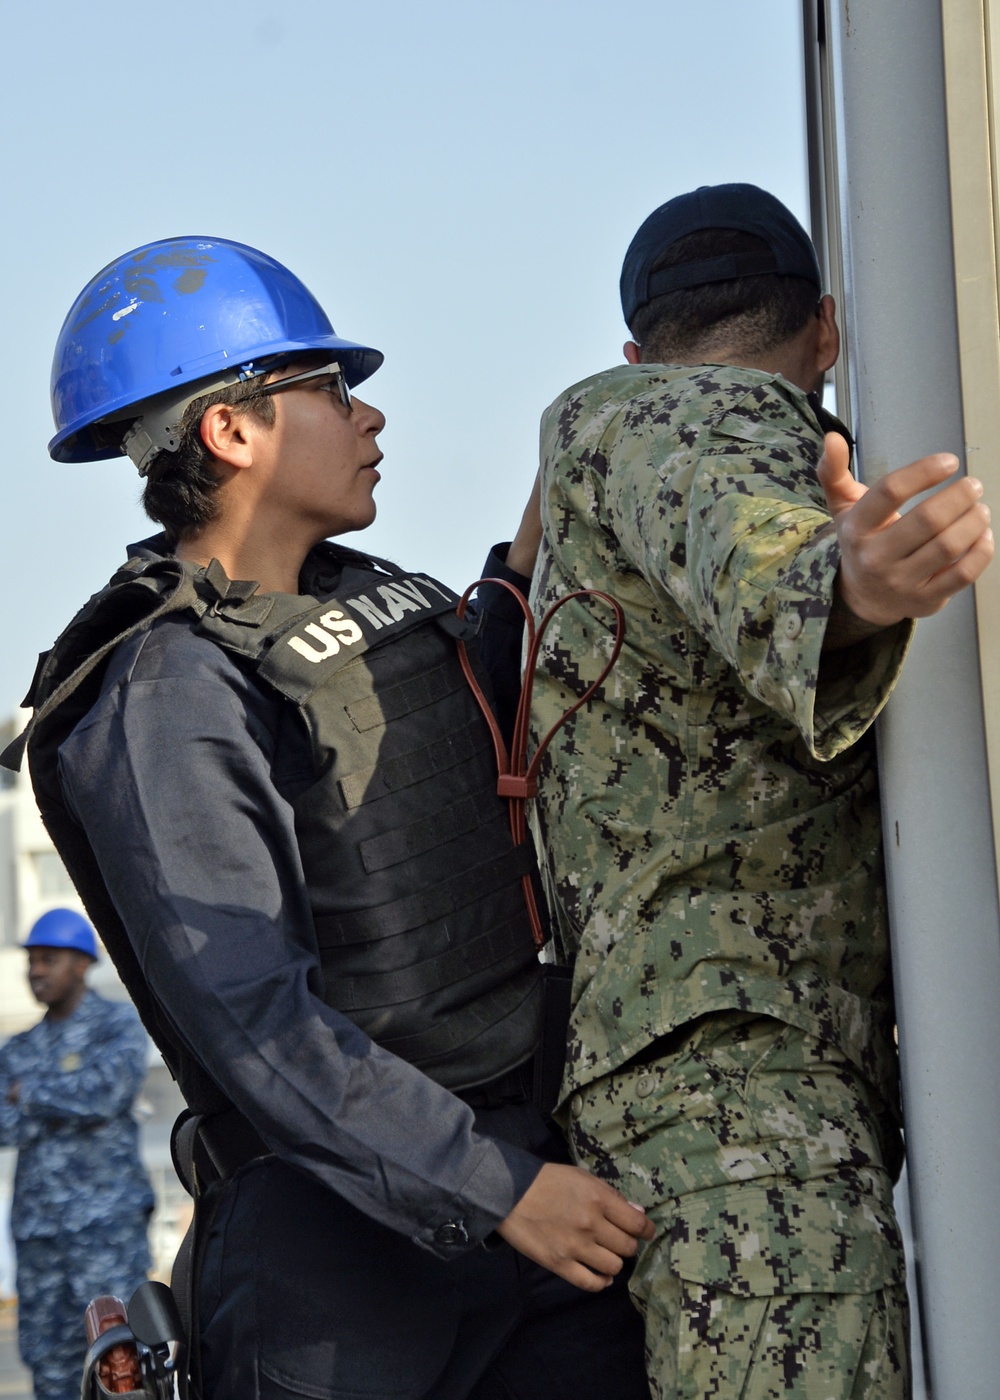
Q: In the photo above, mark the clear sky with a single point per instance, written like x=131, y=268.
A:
x=456, y=183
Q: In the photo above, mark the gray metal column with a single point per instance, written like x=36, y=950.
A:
x=886, y=71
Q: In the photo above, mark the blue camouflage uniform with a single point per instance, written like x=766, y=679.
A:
x=82, y=1198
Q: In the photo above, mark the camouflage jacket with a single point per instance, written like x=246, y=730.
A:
x=710, y=821
x=78, y=1152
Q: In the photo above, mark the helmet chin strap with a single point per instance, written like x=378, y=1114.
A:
x=158, y=430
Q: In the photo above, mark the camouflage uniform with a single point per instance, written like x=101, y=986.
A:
x=712, y=839
x=81, y=1196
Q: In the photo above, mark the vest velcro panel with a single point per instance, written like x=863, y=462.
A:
x=462, y=892
x=461, y=1052
x=394, y=774
x=466, y=815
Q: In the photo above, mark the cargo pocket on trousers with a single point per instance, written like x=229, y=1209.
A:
x=772, y=1293
x=755, y=1241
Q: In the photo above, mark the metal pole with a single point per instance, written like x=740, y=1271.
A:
x=888, y=107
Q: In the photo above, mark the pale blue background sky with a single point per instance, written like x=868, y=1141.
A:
x=455, y=182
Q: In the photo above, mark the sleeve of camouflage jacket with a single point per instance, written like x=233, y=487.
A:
x=731, y=521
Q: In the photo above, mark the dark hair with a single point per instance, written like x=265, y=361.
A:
x=181, y=486
x=750, y=315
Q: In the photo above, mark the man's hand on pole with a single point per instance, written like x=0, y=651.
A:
x=576, y=1225
x=895, y=566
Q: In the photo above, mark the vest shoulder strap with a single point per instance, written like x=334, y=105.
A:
x=130, y=603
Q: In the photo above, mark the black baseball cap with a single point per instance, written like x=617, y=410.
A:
x=790, y=252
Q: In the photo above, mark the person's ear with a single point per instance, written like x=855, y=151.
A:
x=632, y=352
x=226, y=435
x=828, y=334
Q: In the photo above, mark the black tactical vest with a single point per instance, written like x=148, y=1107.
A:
x=423, y=938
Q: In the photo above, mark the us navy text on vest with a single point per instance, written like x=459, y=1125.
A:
x=345, y=625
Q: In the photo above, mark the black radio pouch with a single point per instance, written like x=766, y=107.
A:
x=550, y=1058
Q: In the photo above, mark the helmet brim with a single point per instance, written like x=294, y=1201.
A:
x=76, y=443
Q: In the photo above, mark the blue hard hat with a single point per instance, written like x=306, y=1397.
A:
x=62, y=928
x=172, y=314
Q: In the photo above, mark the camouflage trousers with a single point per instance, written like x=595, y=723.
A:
x=766, y=1163
x=56, y=1279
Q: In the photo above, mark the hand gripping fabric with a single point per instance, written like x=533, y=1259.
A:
x=178, y=312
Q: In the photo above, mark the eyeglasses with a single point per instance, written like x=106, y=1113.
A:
x=332, y=371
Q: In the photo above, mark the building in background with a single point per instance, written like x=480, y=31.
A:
x=33, y=880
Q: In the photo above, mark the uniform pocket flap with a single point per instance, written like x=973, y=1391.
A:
x=759, y=1241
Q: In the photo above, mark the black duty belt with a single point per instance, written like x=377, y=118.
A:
x=229, y=1141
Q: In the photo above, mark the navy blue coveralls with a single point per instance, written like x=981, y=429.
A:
x=82, y=1199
